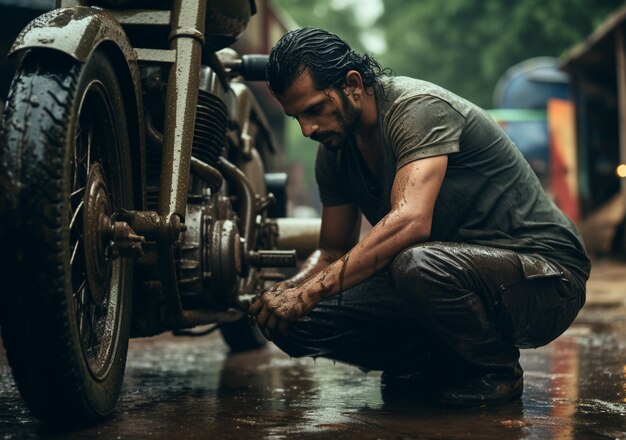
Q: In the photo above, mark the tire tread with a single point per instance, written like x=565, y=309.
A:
x=36, y=123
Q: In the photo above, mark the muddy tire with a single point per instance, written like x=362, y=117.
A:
x=64, y=161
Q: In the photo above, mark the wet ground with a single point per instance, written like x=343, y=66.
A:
x=575, y=388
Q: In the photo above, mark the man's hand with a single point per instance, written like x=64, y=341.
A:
x=278, y=306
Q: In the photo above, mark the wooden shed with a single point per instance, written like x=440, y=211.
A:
x=597, y=67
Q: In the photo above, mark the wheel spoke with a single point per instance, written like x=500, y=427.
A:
x=75, y=158
x=78, y=132
x=78, y=193
x=89, y=142
x=76, y=212
x=82, y=152
x=80, y=309
x=80, y=291
x=74, y=251
x=93, y=334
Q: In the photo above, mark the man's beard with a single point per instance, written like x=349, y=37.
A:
x=347, y=118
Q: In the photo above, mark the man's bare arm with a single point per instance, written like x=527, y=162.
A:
x=338, y=234
x=414, y=194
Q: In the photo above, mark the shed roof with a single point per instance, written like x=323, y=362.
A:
x=598, y=48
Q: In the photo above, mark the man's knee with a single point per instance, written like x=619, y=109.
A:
x=423, y=264
x=426, y=272
x=404, y=264
x=410, y=271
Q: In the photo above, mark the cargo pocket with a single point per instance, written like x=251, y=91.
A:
x=540, y=306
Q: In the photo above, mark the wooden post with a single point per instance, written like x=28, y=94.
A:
x=620, y=62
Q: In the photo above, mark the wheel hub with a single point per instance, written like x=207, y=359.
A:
x=97, y=234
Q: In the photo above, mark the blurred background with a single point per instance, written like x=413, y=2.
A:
x=552, y=74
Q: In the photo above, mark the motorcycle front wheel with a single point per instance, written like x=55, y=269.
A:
x=65, y=158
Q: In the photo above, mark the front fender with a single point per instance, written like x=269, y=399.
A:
x=76, y=31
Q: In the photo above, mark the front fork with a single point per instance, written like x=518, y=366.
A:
x=187, y=41
x=165, y=225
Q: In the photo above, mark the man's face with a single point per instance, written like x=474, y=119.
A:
x=326, y=116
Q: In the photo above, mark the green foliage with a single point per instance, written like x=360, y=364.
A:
x=325, y=14
x=463, y=45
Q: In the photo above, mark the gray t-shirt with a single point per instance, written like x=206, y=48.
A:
x=490, y=196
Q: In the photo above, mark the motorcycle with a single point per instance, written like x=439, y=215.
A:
x=136, y=198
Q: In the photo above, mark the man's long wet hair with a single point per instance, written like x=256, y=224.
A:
x=326, y=56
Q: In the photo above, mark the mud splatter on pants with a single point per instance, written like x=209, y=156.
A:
x=445, y=307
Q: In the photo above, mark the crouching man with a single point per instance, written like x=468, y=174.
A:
x=468, y=259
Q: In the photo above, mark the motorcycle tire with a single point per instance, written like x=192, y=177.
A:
x=242, y=335
x=64, y=155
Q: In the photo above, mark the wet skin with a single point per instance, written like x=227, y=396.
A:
x=328, y=116
x=335, y=117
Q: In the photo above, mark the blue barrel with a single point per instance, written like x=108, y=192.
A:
x=530, y=84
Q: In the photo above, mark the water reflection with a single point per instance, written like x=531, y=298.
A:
x=624, y=383
x=259, y=391
x=192, y=388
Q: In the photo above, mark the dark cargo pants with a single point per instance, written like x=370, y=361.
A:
x=449, y=307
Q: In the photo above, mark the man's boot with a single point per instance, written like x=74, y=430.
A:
x=488, y=389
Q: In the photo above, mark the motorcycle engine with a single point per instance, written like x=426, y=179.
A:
x=212, y=118
x=211, y=249
x=215, y=267
x=209, y=139
x=211, y=254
